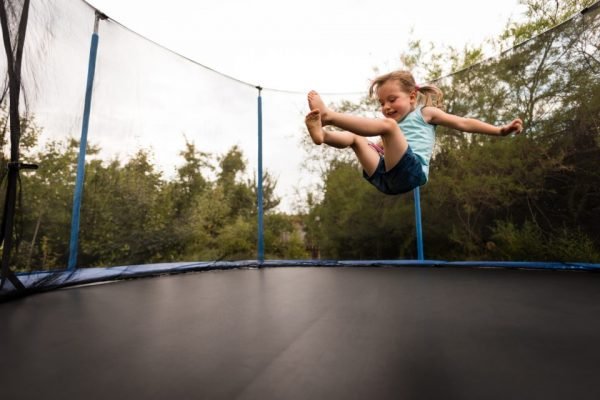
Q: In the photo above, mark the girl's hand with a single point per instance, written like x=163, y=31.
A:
x=516, y=127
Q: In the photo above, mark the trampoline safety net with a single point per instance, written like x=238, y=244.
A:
x=172, y=157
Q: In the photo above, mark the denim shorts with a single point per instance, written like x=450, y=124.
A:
x=406, y=175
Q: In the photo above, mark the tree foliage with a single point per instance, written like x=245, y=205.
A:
x=131, y=214
x=533, y=197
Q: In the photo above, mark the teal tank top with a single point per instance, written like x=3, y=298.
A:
x=420, y=137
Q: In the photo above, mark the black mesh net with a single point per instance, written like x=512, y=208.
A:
x=172, y=155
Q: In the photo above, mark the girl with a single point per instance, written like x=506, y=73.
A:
x=400, y=162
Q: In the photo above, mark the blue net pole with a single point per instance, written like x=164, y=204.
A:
x=418, y=225
x=261, y=239
x=74, y=242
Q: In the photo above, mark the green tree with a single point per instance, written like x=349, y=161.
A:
x=44, y=213
x=543, y=182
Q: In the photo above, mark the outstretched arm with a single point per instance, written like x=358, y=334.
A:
x=436, y=116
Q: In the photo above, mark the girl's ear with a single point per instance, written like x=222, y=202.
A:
x=413, y=95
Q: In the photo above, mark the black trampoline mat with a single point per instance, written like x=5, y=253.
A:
x=310, y=333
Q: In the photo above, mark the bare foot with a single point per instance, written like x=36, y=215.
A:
x=316, y=103
x=314, y=126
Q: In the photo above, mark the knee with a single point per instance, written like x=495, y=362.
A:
x=389, y=126
x=358, y=141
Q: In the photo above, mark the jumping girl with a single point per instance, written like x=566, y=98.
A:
x=399, y=162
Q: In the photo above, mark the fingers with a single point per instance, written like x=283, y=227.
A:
x=516, y=127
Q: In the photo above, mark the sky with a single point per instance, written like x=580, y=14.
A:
x=332, y=46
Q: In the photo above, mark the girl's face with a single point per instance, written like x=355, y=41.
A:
x=395, y=103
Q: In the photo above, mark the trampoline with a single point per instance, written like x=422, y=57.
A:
x=346, y=331
x=270, y=328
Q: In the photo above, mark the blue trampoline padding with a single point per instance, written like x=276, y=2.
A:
x=56, y=279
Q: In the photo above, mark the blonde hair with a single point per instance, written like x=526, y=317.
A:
x=427, y=95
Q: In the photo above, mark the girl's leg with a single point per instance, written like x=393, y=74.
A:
x=394, y=142
x=366, y=155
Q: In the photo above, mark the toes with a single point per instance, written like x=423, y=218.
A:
x=314, y=114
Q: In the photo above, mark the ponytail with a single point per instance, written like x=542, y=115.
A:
x=429, y=96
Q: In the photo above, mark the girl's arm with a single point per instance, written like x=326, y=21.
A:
x=435, y=116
